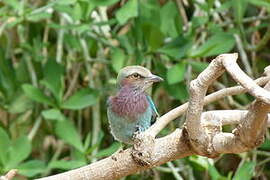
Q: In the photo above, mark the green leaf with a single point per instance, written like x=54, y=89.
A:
x=78, y=156
x=72, y=42
x=77, y=12
x=217, y=44
x=177, y=48
x=20, y=103
x=15, y=4
x=224, y=6
x=126, y=43
x=199, y=21
x=153, y=36
x=66, y=165
x=245, y=171
x=53, y=79
x=62, y=8
x=53, y=114
x=35, y=17
x=4, y=146
x=168, y=14
x=213, y=172
x=239, y=10
x=265, y=145
x=19, y=151
x=178, y=91
x=95, y=146
x=200, y=161
x=67, y=131
x=261, y=3
x=118, y=59
x=176, y=73
x=81, y=99
x=198, y=66
x=66, y=2
x=36, y=94
x=242, y=98
x=87, y=141
x=127, y=11
x=104, y=2
x=8, y=80
x=108, y=151
x=31, y=168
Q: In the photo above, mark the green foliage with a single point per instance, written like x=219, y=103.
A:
x=66, y=131
x=109, y=151
x=66, y=165
x=118, y=59
x=32, y=168
x=176, y=73
x=245, y=171
x=59, y=61
x=4, y=143
x=36, y=94
x=53, y=79
x=13, y=152
x=127, y=11
x=213, y=45
x=53, y=114
x=81, y=99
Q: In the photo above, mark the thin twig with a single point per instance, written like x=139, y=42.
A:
x=263, y=42
x=35, y=128
x=246, y=20
x=73, y=81
x=182, y=12
x=174, y=171
x=176, y=112
x=31, y=71
x=45, y=41
x=60, y=38
x=243, y=55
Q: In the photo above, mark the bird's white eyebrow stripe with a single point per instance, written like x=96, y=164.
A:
x=140, y=73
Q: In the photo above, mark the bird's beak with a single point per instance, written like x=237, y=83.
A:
x=154, y=78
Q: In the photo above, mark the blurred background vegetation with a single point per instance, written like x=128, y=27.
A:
x=59, y=60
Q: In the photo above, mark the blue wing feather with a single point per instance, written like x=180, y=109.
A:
x=152, y=105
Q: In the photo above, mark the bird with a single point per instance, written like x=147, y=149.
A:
x=131, y=110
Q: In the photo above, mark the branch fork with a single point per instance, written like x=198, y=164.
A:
x=205, y=134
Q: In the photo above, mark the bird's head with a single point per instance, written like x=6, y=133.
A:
x=137, y=76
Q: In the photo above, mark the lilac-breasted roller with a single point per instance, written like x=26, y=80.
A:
x=131, y=109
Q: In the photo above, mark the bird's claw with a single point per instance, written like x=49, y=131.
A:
x=143, y=148
x=115, y=154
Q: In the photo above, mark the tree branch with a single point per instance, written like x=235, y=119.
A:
x=227, y=117
x=171, y=147
x=202, y=133
x=10, y=175
x=249, y=133
x=164, y=120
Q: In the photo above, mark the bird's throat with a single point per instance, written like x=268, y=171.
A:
x=129, y=102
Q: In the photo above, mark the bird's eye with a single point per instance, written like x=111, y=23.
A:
x=136, y=75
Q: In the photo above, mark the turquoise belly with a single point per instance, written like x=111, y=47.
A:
x=123, y=128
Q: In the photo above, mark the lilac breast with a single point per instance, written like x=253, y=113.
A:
x=129, y=103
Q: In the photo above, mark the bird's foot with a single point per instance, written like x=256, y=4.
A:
x=120, y=150
x=143, y=148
